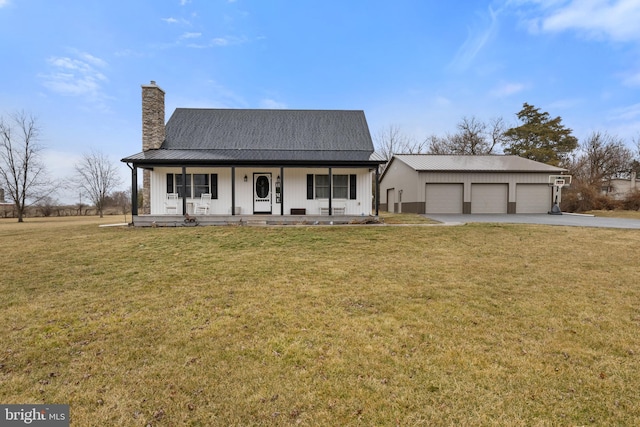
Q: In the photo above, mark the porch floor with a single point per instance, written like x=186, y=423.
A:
x=201, y=220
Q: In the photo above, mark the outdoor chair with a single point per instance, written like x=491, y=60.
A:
x=202, y=206
x=339, y=209
x=171, y=204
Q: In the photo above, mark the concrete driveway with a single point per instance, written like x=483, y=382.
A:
x=545, y=219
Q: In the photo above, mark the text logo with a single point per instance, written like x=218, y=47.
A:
x=34, y=415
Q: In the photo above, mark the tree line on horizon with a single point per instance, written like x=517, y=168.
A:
x=598, y=159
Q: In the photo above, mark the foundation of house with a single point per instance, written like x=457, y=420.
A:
x=204, y=220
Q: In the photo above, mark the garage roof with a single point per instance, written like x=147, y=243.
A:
x=488, y=163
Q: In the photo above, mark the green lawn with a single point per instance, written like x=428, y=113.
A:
x=481, y=324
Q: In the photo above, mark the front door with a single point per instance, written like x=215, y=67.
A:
x=261, y=193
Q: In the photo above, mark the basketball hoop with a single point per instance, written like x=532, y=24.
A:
x=557, y=182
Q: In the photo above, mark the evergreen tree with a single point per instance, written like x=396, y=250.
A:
x=540, y=138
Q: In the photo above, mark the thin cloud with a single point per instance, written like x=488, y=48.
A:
x=475, y=42
x=190, y=36
x=631, y=112
x=632, y=80
x=272, y=104
x=442, y=101
x=93, y=60
x=566, y=104
x=171, y=20
x=602, y=19
x=77, y=75
x=219, y=96
x=229, y=41
x=222, y=42
x=507, y=89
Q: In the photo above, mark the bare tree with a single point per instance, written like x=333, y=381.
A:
x=21, y=172
x=497, y=128
x=98, y=177
x=438, y=145
x=473, y=138
x=635, y=163
x=391, y=140
x=122, y=200
x=601, y=157
x=47, y=206
x=470, y=138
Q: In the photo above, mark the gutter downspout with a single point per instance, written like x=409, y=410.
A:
x=378, y=191
x=184, y=190
x=134, y=190
x=330, y=189
x=233, y=190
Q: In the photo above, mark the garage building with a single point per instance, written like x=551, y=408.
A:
x=423, y=183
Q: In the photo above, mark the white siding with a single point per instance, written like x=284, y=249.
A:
x=489, y=198
x=533, y=198
x=444, y=198
x=219, y=206
x=294, y=190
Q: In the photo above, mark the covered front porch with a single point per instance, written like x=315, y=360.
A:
x=250, y=194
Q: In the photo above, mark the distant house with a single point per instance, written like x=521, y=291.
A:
x=245, y=163
x=620, y=188
x=5, y=207
x=436, y=184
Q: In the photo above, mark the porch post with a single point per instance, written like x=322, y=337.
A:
x=330, y=190
x=184, y=190
x=134, y=189
x=233, y=190
x=281, y=190
x=377, y=189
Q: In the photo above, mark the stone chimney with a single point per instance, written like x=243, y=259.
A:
x=153, y=132
x=1, y=195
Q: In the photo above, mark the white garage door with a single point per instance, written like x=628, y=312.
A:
x=533, y=198
x=444, y=198
x=489, y=198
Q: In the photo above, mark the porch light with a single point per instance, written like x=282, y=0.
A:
x=245, y=178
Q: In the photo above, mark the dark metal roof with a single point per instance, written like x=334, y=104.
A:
x=268, y=130
x=193, y=157
x=224, y=136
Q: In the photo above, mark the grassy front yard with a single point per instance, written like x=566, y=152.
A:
x=481, y=324
x=617, y=214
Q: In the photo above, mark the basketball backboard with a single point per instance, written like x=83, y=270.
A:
x=559, y=180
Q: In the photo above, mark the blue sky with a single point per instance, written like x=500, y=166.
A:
x=420, y=65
